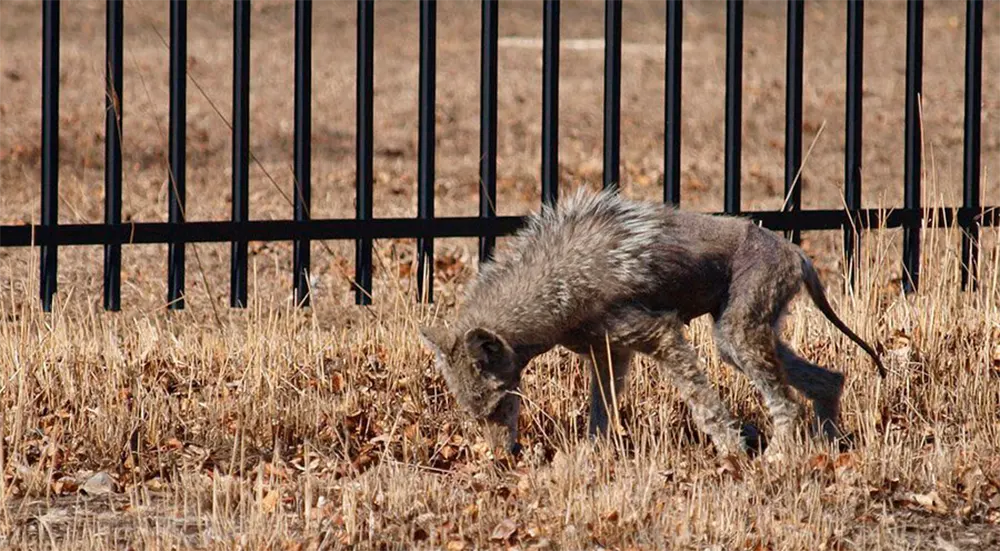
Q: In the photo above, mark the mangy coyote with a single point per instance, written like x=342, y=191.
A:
x=607, y=277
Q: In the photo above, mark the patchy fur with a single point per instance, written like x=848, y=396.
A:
x=607, y=277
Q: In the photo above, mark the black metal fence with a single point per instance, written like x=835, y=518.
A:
x=364, y=228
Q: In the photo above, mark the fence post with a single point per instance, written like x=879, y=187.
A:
x=612, y=92
x=550, y=103
x=852, y=138
x=177, y=191
x=912, y=141
x=241, y=149
x=672, y=107
x=425, y=146
x=50, y=147
x=364, y=148
x=973, y=100
x=302, y=151
x=793, y=112
x=488, y=125
x=113, y=152
x=734, y=93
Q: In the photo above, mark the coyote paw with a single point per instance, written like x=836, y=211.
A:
x=754, y=441
x=514, y=449
x=846, y=442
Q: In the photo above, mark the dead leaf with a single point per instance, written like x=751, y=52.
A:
x=336, y=382
x=930, y=501
x=503, y=531
x=98, y=484
x=65, y=485
x=821, y=463
x=845, y=461
x=156, y=485
x=455, y=545
x=270, y=501
x=449, y=452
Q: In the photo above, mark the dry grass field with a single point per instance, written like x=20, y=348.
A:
x=279, y=428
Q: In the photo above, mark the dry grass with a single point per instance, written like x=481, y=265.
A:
x=287, y=429
x=279, y=428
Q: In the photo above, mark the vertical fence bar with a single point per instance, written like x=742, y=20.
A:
x=672, y=107
x=550, y=103
x=973, y=105
x=176, y=193
x=734, y=99
x=488, y=125
x=793, y=111
x=852, y=138
x=425, y=145
x=241, y=149
x=612, y=92
x=912, y=140
x=364, y=147
x=50, y=147
x=302, y=150
x=113, y=151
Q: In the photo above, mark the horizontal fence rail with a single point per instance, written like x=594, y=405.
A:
x=363, y=229
x=466, y=226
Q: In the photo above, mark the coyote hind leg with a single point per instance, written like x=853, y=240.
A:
x=766, y=277
x=753, y=352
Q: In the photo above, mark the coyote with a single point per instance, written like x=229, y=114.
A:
x=607, y=277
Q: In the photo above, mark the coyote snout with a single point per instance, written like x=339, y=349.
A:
x=607, y=278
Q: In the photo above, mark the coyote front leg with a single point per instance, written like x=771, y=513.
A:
x=605, y=390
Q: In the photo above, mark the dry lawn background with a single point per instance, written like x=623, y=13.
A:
x=278, y=428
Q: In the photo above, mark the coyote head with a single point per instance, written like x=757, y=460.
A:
x=481, y=371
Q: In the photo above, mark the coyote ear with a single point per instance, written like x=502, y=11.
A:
x=438, y=339
x=486, y=346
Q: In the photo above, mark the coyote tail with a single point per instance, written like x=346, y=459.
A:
x=815, y=288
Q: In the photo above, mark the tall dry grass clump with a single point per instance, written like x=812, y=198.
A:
x=283, y=428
